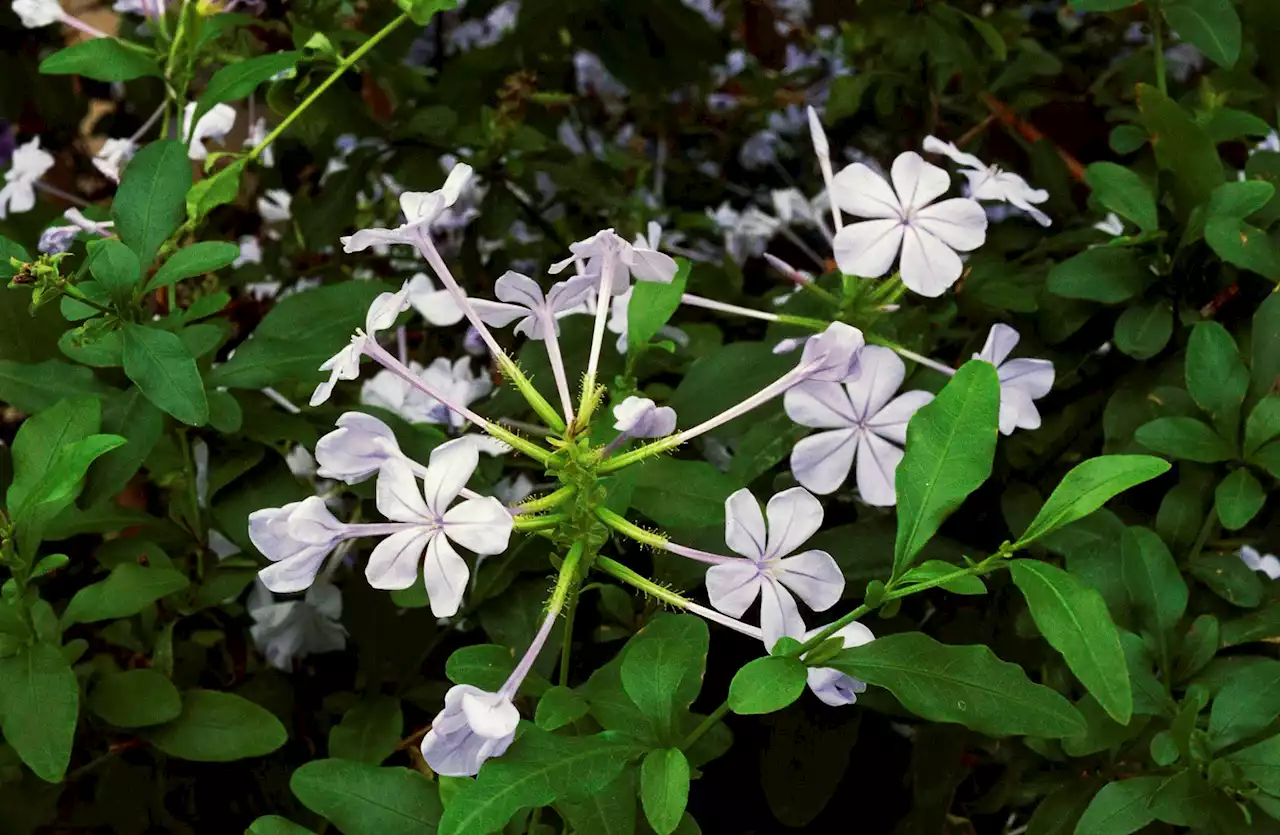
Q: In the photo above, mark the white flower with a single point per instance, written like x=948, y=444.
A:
x=257, y=133
x=1021, y=380
x=793, y=208
x=640, y=417
x=357, y=448
x=833, y=355
x=250, y=251
x=768, y=572
x=452, y=379
x=113, y=156
x=481, y=525
x=1268, y=564
x=30, y=162
x=55, y=239
x=274, y=205
x=293, y=629
x=638, y=262
x=1111, y=225
x=474, y=726
x=988, y=182
x=513, y=489
x=905, y=220
x=345, y=365
x=421, y=209
x=522, y=298
x=297, y=538
x=215, y=124
x=37, y=13
x=862, y=423
x=747, y=233
x=438, y=307
x=830, y=685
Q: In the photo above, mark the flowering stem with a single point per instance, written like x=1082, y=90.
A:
x=508, y=367
x=587, y=404
x=546, y=502
x=666, y=595
x=356, y=55
x=568, y=575
x=705, y=725
x=655, y=540
x=380, y=355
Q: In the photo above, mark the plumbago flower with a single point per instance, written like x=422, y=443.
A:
x=1022, y=381
x=345, y=365
x=288, y=630
x=988, y=182
x=214, y=124
x=863, y=422
x=831, y=686
x=437, y=306
x=390, y=391
x=111, y=159
x=640, y=417
x=421, y=209
x=357, y=449
x=521, y=301
x=768, y=572
x=30, y=162
x=1268, y=564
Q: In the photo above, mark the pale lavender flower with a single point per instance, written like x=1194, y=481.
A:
x=522, y=299
x=288, y=630
x=215, y=124
x=1268, y=564
x=640, y=417
x=989, y=182
x=345, y=365
x=30, y=162
x=1022, y=381
x=421, y=209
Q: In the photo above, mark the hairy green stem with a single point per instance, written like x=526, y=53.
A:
x=548, y=501
x=622, y=526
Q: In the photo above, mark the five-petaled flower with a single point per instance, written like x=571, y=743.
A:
x=829, y=684
x=1021, y=380
x=1268, y=564
x=624, y=260
x=288, y=630
x=862, y=423
x=522, y=299
x=420, y=208
x=215, y=123
x=296, y=538
x=30, y=162
x=474, y=726
x=437, y=306
x=345, y=365
x=990, y=182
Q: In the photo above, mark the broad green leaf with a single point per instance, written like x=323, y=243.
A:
x=1226, y=124
x=486, y=666
x=1122, y=191
x=369, y=732
x=135, y=699
x=950, y=447
x=153, y=190
x=664, y=788
x=1248, y=704
x=538, y=769
x=1185, y=438
x=102, y=59
x=1212, y=26
x=651, y=305
x=1088, y=487
x=421, y=11
x=1256, y=626
x=1181, y=146
x=1265, y=166
x=1058, y=813
x=1244, y=245
x=1238, y=499
x=276, y=825
x=1199, y=646
x=1240, y=199
x=1125, y=139
x=1120, y=808
x=197, y=259
x=681, y=493
x=39, y=704
x=1263, y=425
x=1229, y=578
x=34, y=388
x=1073, y=618
x=163, y=368
x=1260, y=764
x=558, y=707
x=219, y=727
x=1156, y=587
x=1217, y=378
x=363, y=799
x=116, y=268
x=609, y=811
x=1265, y=353
x=133, y=417
x=1105, y=274
x=1144, y=328
x=240, y=78
x=129, y=589
x=662, y=666
x=967, y=685
x=212, y=192
x=1149, y=696
x=766, y=685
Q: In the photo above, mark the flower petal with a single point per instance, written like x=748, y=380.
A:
x=493, y=718
x=397, y=494
x=498, y=314
x=450, y=466
x=294, y=573
x=918, y=183
x=744, y=530
x=384, y=310
x=566, y=295
x=819, y=404
x=438, y=307
x=779, y=615
x=890, y=422
x=362, y=239
x=959, y=223
x=1017, y=411
x=821, y=462
x=929, y=267
x=868, y=248
x=394, y=562
x=445, y=575
x=814, y=577
x=794, y=516
x=934, y=145
x=860, y=191
x=877, y=463
x=1001, y=340
x=650, y=265
x=1034, y=376
x=882, y=373
x=733, y=586
x=482, y=525
x=515, y=288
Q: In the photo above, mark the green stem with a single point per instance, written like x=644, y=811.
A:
x=538, y=523
x=566, y=640
x=548, y=501
x=1157, y=44
x=568, y=574
x=644, y=584
x=705, y=725
x=537, y=453
x=346, y=64
x=532, y=396
x=622, y=526
x=75, y=293
x=1210, y=522
x=803, y=322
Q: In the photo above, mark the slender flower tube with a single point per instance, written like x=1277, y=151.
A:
x=666, y=595
x=823, y=150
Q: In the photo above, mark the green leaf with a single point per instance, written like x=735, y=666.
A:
x=558, y=707
x=1144, y=328
x=129, y=589
x=680, y=493
x=662, y=666
x=1240, y=199
x=967, y=685
x=39, y=703
x=1185, y=438
x=240, y=78
x=1263, y=425
x=1120, y=808
x=1260, y=764
x=950, y=446
x=212, y=192
x=1246, y=705
x=149, y=202
x=116, y=268
x=1088, y=487
x=1212, y=26
x=538, y=769
x=132, y=416
x=1156, y=587
x=664, y=788
x=1226, y=124
x=1105, y=274
x=135, y=699
x=363, y=799
x=766, y=685
x=486, y=666
x=1058, y=813
x=1122, y=191
x=1073, y=618
x=1265, y=353
x=102, y=59
x=1102, y=5
x=369, y=732
x=34, y=388
x=276, y=825
x=197, y=259
x=1217, y=378
x=1199, y=646
x=652, y=304
x=1181, y=146
x=1243, y=245
x=1125, y=139
x=1238, y=499
x=930, y=570
x=219, y=727
x=163, y=368
x=421, y=11
x=610, y=811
